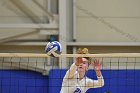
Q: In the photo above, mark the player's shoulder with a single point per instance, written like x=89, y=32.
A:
x=88, y=79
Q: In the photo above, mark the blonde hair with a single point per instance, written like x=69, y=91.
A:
x=84, y=51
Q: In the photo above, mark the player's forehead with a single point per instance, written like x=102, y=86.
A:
x=84, y=59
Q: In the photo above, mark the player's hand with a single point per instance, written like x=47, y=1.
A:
x=78, y=61
x=96, y=65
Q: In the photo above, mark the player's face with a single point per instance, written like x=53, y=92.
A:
x=83, y=66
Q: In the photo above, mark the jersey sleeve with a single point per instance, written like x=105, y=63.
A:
x=95, y=83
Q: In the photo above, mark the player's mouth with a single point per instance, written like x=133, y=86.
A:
x=80, y=67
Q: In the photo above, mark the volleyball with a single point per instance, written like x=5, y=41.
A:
x=53, y=48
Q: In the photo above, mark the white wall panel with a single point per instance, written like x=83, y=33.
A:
x=108, y=20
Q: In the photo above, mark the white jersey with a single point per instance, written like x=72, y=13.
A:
x=74, y=85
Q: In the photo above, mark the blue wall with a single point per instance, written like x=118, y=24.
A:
x=116, y=81
x=22, y=82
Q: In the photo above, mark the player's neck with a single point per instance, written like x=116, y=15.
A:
x=81, y=75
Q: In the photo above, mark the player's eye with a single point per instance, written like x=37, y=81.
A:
x=84, y=62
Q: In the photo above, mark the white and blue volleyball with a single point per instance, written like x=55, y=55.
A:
x=53, y=48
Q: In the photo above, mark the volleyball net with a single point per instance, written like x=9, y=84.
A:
x=39, y=73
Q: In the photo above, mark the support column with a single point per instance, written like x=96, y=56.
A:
x=62, y=30
x=74, y=21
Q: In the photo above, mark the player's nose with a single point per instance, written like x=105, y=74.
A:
x=80, y=64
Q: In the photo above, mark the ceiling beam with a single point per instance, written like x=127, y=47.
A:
x=26, y=10
x=30, y=26
x=14, y=37
x=50, y=16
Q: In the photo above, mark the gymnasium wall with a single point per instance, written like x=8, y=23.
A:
x=108, y=20
x=116, y=81
x=22, y=12
x=27, y=12
x=101, y=21
x=23, y=81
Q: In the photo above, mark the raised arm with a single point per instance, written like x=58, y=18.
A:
x=100, y=81
x=71, y=72
x=95, y=83
x=97, y=67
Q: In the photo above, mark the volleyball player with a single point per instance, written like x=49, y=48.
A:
x=75, y=79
